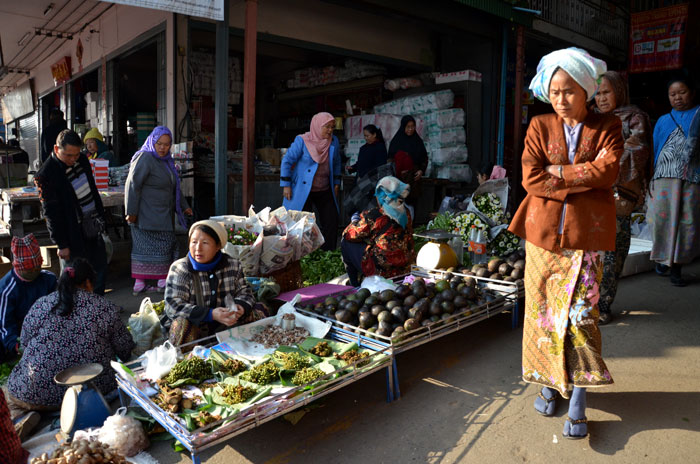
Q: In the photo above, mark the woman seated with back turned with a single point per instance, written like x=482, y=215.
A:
x=69, y=327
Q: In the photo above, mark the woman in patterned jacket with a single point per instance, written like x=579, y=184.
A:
x=66, y=328
x=632, y=180
x=198, y=284
x=570, y=163
x=380, y=240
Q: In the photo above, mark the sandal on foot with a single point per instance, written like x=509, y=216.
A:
x=604, y=318
x=678, y=282
x=570, y=423
x=139, y=289
x=661, y=269
x=547, y=401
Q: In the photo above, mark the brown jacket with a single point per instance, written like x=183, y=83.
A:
x=636, y=161
x=590, y=215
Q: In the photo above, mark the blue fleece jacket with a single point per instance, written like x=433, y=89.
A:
x=16, y=297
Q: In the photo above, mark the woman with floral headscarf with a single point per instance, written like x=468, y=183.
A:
x=570, y=163
x=380, y=240
x=154, y=206
x=310, y=175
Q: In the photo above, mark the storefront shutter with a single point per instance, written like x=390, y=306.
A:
x=29, y=136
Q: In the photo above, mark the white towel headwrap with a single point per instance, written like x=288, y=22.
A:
x=581, y=66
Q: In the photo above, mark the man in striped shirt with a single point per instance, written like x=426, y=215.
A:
x=72, y=206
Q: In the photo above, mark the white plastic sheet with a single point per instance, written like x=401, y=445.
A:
x=239, y=338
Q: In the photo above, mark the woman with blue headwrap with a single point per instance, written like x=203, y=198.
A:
x=380, y=240
x=570, y=163
x=154, y=206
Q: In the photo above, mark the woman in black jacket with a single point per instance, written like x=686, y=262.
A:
x=372, y=153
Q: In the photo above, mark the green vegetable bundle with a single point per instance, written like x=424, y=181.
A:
x=321, y=266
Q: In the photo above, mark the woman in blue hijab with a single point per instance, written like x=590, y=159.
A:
x=154, y=207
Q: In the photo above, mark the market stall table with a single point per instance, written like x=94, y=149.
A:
x=21, y=212
x=505, y=297
x=265, y=410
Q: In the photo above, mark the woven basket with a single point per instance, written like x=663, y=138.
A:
x=288, y=278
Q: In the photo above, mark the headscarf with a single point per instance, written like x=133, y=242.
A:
x=413, y=145
x=318, y=146
x=216, y=226
x=581, y=66
x=26, y=253
x=149, y=146
x=391, y=194
x=619, y=87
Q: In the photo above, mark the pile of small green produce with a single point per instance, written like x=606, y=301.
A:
x=235, y=394
x=307, y=375
x=232, y=367
x=262, y=374
x=293, y=360
x=193, y=367
x=392, y=313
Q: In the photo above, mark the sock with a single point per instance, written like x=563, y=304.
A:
x=139, y=285
x=577, y=410
x=161, y=283
x=541, y=405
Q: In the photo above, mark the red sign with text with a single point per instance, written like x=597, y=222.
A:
x=61, y=70
x=657, y=38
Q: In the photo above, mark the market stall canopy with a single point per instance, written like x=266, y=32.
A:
x=32, y=31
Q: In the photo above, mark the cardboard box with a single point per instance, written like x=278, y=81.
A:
x=466, y=75
x=269, y=155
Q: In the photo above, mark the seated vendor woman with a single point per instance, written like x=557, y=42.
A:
x=198, y=284
x=66, y=328
x=380, y=240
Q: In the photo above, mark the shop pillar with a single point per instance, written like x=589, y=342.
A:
x=249, y=63
x=221, y=115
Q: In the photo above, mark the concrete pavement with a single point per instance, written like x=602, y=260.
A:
x=463, y=399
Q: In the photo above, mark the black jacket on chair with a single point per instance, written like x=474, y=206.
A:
x=60, y=204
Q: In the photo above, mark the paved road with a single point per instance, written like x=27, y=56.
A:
x=463, y=399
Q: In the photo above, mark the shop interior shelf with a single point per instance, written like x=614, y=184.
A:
x=267, y=409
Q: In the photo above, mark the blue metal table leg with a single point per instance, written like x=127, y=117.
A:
x=397, y=390
x=516, y=315
x=195, y=458
x=389, y=385
x=123, y=398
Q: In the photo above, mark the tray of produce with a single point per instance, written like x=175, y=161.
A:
x=419, y=309
x=504, y=272
x=215, y=393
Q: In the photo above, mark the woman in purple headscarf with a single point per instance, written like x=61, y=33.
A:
x=154, y=206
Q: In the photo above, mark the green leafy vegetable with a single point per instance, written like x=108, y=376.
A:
x=321, y=266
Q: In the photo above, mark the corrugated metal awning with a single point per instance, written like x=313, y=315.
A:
x=500, y=8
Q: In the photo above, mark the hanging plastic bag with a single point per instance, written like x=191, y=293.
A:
x=123, y=434
x=145, y=327
x=158, y=361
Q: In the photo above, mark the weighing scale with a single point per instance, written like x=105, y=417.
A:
x=83, y=405
x=437, y=253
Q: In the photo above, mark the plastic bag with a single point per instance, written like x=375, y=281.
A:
x=145, y=327
x=248, y=255
x=377, y=283
x=497, y=187
x=123, y=434
x=158, y=361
